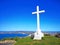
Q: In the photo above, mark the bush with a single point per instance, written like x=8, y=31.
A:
x=57, y=35
x=32, y=36
x=47, y=34
x=16, y=38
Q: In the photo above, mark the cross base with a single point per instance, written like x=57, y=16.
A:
x=38, y=35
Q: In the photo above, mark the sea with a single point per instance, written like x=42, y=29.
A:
x=21, y=34
x=2, y=36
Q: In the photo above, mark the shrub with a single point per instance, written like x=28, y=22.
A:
x=32, y=36
x=57, y=35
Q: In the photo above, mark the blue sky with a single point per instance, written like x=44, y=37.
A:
x=16, y=15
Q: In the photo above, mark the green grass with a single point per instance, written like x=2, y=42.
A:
x=47, y=40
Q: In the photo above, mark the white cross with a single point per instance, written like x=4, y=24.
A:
x=37, y=12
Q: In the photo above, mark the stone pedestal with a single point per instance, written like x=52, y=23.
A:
x=38, y=35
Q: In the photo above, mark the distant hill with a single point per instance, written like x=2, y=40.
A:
x=28, y=32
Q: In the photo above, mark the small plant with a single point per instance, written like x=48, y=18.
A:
x=47, y=34
x=32, y=36
x=57, y=35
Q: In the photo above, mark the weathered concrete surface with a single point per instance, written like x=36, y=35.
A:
x=7, y=42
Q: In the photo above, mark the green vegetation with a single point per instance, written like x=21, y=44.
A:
x=16, y=38
x=47, y=40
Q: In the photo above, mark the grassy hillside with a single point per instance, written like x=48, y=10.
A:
x=47, y=40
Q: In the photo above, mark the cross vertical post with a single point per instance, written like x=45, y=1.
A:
x=38, y=19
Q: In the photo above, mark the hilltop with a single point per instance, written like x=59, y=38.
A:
x=47, y=40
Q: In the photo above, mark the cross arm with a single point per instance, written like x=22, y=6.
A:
x=41, y=11
x=34, y=12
